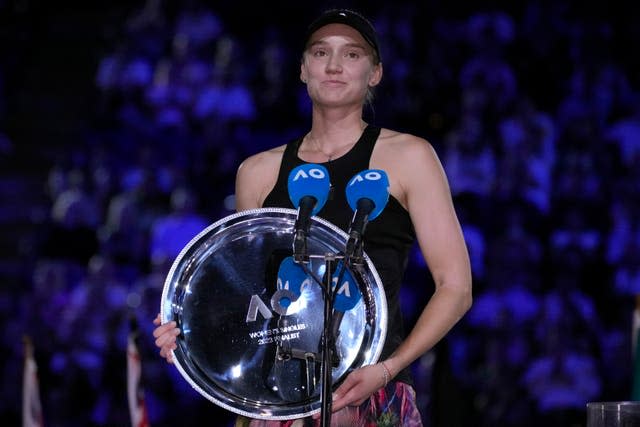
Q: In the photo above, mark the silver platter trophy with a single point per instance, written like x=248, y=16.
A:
x=240, y=347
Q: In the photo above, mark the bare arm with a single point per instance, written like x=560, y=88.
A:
x=428, y=200
x=418, y=181
x=256, y=177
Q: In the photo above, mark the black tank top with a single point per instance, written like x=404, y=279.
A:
x=388, y=238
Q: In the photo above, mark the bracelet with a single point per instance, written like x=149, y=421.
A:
x=385, y=373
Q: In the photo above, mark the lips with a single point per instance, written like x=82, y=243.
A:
x=334, y=82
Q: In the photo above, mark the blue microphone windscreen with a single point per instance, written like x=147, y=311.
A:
x=309, y=180
x=292, y=276
x=371, y=184
x=347, y=293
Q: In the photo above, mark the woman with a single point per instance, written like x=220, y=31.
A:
x=341, y=65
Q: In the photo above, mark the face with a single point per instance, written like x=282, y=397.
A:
x=338, y=66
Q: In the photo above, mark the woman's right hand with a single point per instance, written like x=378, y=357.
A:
x=165, y=336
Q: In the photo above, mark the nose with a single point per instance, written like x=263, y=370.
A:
x=334, y=64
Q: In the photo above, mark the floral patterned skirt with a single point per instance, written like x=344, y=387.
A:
x=391, y=406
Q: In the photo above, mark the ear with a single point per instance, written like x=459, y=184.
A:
x=303, y=73
x=376, y=75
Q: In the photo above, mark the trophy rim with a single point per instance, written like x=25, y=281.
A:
x=166, y=309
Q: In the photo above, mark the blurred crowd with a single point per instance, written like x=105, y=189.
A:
x=533, y=110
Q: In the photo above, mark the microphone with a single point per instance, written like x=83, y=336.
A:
x=292, y=280
x=346, y=295
x=308, y=187
x=367, y=194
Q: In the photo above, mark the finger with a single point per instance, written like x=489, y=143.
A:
x=166, y=350
x=342, y=396
x=167, y=355
x=341, y=403
x=168, y=344
x=167, y=338
x=163, y=329
x=346, y=385
x=353, y=398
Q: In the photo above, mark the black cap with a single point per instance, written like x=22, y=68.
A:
x=350, y=18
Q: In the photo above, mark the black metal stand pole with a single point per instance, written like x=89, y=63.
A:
x=326, y=405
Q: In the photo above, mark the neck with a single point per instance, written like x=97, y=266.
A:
x=323, y=144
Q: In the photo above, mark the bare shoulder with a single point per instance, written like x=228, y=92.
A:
x=408, y=159
x=262, y=161
x=398, y=151
x=256, y=176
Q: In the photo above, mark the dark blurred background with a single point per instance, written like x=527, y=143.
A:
x=122, y=124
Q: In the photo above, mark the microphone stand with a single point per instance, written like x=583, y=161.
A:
x=327, y=340
x=329, y=350
x=327, y=345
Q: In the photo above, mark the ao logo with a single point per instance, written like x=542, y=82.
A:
x=314, y=173
x=282, y=298
x=369, y=176
x=280, y=302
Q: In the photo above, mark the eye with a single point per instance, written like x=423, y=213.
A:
x=319, y=53
x=353, y=54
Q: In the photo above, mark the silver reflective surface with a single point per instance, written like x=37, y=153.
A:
x=240, y=347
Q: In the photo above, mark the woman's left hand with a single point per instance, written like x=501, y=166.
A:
x=359, y=386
